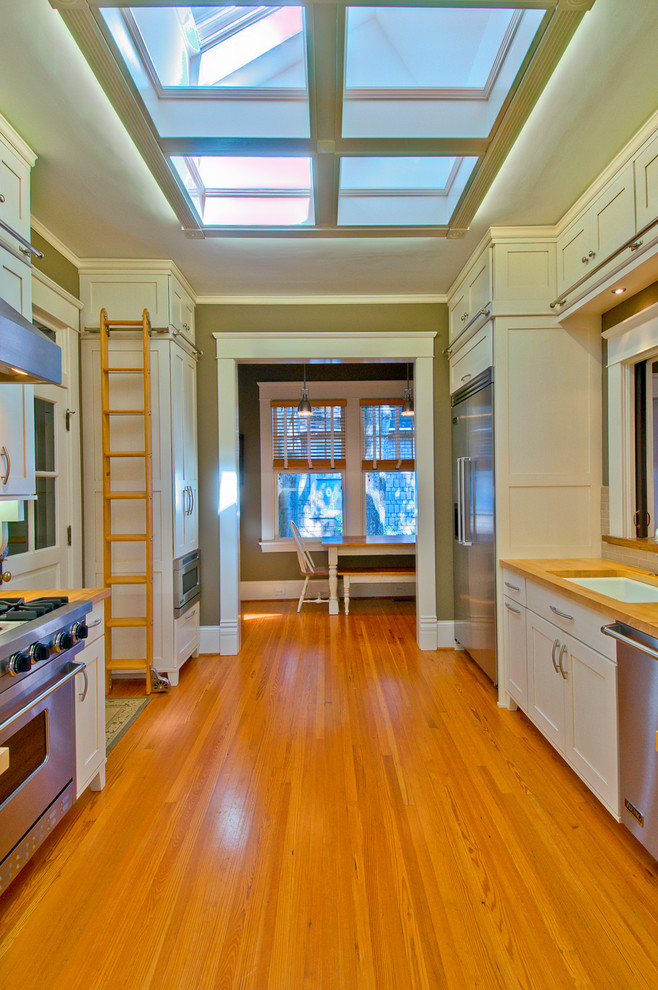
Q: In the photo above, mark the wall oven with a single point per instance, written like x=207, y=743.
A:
x=187, y=582
x=37, y=722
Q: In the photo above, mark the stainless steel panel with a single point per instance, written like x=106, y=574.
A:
x=474, y=546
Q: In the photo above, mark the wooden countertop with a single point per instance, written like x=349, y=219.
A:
x=640, y=615
x=94, y=595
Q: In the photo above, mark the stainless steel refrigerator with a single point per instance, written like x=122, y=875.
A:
x=474, y=547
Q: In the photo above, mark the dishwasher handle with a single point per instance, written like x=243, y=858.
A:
x=615, y=632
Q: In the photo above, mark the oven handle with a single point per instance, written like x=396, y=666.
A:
x=73, y=672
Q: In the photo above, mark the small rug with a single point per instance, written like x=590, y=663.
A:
x=120, y=713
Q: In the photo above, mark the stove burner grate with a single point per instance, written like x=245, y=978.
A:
x=18, y=610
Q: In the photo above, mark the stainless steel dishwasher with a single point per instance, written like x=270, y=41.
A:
x=637, y=686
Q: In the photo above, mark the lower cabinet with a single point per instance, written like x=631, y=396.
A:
x=90, y=708
x=569, y=691
x=186, y=640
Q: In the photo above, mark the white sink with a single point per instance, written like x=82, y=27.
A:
x=623, y=589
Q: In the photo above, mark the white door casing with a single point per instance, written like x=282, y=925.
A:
x=234, y=348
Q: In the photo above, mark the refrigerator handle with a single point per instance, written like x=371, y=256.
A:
x=467, y=503
x=460, y=521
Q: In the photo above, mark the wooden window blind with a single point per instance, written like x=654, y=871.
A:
x=388, y=440
x=302, y=442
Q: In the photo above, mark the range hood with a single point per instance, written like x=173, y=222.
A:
x=26, y=354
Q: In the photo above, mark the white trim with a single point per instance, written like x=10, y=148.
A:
x=229, y=638
x=341, y=346
x=322, y=300
x=160, y=266
x=54, y=241
x=388, y=586
x=19, y=145
x=208, y=639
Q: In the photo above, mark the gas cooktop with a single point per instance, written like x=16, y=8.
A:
x=18, y=610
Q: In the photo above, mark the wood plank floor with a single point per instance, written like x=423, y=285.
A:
x=333, y=809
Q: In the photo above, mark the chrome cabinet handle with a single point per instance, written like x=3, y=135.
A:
x=636, y=245
x=559, y=660
x=591, y=254
x=563, y=615
x=465, y=377
x=92, y=625
x=86, y=687
x=584, y=259
x=74, y=670
x=512, y=587
x=2, y=198
x=5, y=453
x=555, y=646
x=510, y=608
x=186, y=492
x=193, y=499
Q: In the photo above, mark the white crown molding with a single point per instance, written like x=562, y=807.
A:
x=54, y=242
x=159, y=266
x=370, y=300
x=545, y=232
x=56, y=288
x=20, y=146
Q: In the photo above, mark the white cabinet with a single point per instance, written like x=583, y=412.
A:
x=174, y=468
x=125, y=294
x=471, y=359
x=646, y=183
x=90, y=708
x=186, y=633
x=16, y=162
x=184, y=452
x=566, y=687
x=17, y=479
x=472, y=294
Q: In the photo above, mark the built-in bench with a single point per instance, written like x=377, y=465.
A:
x=374, y=575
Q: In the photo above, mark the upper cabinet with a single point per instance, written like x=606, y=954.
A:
x=16, y=162
x=124, y=294
x=646, y=183
x=471, y=295
x=17, y=478
x=598, y=231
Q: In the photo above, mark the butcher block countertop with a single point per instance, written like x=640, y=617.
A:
x=94, y=595
x=551, y=573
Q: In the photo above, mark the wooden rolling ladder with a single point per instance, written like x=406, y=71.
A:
x=111, y=539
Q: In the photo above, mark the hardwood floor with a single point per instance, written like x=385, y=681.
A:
x=333, y=809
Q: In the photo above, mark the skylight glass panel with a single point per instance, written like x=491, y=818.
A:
x=401, y=191
x=235, y=191
x=208, y=47
x=431, y=72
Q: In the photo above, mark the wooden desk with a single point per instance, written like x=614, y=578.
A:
x=360, y=546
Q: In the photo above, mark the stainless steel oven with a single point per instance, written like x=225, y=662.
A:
x=37, y=723
x=187, y=582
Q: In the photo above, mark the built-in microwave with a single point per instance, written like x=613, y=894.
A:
x=187, y=582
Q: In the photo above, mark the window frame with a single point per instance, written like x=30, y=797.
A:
x=353, y=476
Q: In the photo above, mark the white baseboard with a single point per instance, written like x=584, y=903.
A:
x=256, y=591
x=208, y=639
x=445, y=635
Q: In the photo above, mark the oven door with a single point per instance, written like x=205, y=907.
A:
x=38, y=729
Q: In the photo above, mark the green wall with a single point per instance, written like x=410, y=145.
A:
x=210, y=319
x=55, y=265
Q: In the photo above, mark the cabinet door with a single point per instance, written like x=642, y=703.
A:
x=479, y=285
x=592, y=734
x=16, y=283
x=572, y=248
x=458, y=312
x=14, y=193
x=646, y=184
x=184, y=451
x=90, y=718
x=546, y=692
x=612, y=216
x=17, y=441
x=514, y=637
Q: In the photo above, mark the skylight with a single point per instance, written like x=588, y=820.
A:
x=323, y=119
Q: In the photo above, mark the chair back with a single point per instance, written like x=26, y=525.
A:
x=306, y=564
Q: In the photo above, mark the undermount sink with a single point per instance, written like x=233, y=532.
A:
x=622, y=589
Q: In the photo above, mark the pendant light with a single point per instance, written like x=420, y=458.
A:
x=304, y=407
x=408, y=402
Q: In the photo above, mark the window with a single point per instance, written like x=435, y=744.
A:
x=350, y=467
x=388, y=453
x=308, y=458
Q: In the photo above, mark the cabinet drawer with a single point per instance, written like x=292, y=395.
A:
x=571, y=617
x=186, y=633
x=96, y=622
x=473, y=358
x=514, y=586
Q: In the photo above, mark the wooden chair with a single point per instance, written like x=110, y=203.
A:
x=310, y=571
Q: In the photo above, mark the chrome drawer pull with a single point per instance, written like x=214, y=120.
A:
x=563, y=615
x=512, y=587
x=96, y=622
x=510, y=608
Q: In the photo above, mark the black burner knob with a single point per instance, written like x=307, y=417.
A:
x=39, y=652
x=19, y=663
x=80, y=630
x=64, y=641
